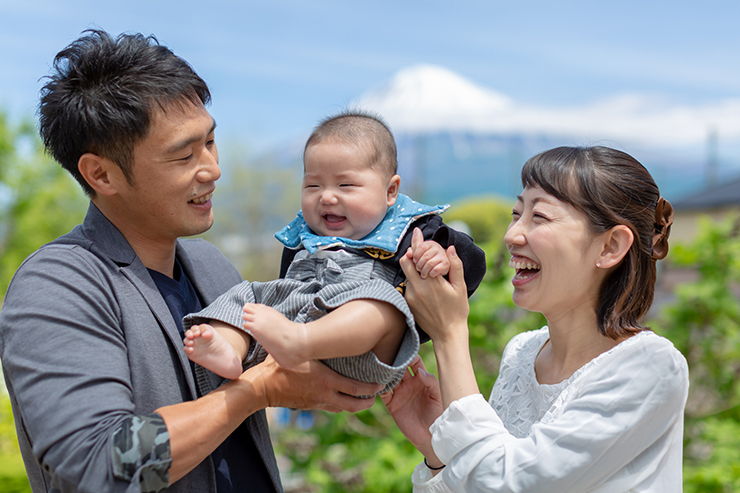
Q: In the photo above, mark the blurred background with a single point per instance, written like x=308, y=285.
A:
x=471, y=90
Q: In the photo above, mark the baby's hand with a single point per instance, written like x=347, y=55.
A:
x=429, y=256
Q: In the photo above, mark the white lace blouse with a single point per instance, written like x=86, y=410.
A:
x=616, y=425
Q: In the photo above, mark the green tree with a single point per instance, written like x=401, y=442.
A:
x=254, y=199
x=704, y=323
x=487, y=218
x=38, y=199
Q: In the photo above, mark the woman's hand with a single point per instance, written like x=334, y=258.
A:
x=440, y=307
x=415, y=403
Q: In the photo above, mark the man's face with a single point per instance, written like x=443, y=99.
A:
x=174, y=174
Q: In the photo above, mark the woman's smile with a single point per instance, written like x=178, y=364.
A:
x=526, y=269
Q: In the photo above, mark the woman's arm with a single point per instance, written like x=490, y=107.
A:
x=622, y=429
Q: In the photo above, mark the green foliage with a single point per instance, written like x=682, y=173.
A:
x=254, y=199
x=486, y=217
x=12, y=473
x=712, y=463
x=345, y=452
x=40, y=201
x=704, y=320
x=704, y=323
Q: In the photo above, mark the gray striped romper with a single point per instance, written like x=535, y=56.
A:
x=314, y=285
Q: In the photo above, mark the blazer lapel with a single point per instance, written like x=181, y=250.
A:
x=109, y=241
x=139, y=276
x=194, y=268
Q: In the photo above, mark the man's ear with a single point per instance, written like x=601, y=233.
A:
x=617, y=241
x=103, y=175
x=393, y=186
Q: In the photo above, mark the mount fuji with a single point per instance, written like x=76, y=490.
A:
x=427, y=98
x=457, y=138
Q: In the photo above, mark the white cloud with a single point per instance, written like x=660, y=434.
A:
x=427, y=98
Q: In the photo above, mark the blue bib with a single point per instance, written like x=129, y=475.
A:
x=387, y=236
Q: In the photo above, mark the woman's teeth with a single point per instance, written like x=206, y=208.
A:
x=523, y=265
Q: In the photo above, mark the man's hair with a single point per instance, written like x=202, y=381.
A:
x=362, y=129
x=103, y=92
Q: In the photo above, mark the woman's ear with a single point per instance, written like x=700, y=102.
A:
x=100, y=173
x=393, y=186
x=617, y=241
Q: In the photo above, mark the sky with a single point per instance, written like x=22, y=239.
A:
x=277, y=67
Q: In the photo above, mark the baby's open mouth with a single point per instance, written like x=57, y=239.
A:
x=333, y=218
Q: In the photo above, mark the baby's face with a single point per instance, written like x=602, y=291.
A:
x=342, y=195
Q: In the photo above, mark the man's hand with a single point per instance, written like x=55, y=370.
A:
x=311, y=385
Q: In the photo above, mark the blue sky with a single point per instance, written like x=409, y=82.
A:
x=276, y=67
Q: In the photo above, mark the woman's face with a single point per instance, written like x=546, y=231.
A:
x=554, y=255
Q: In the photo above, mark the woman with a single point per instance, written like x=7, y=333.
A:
x=591, y=402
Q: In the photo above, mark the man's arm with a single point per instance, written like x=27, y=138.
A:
x=67, y=366
x=197, y=427
x=70, y=368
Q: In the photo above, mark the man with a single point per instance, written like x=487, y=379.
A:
x=90, y=332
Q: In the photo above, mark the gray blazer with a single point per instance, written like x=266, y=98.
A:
x=87, y=341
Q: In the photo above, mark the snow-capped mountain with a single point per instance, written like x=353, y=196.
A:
x=457, y=138
x=427, y=98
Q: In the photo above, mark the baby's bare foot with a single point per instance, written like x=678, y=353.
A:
x=205, y=346
x=286, y=341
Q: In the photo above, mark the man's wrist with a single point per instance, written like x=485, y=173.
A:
x=258, y=378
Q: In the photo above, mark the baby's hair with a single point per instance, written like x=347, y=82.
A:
x=362, y=129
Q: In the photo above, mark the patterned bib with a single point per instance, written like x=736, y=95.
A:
x=386, y=236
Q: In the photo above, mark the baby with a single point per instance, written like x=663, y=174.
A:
x=340, y=267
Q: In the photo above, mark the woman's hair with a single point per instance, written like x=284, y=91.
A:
x=102, y=93
x=611, y=187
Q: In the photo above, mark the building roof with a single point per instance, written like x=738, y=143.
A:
x=726, y=194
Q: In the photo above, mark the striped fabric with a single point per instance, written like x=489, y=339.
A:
x=313, y=286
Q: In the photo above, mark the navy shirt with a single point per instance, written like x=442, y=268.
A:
x=239, y=466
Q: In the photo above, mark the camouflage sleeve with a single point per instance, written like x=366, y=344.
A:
x=141, y=447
